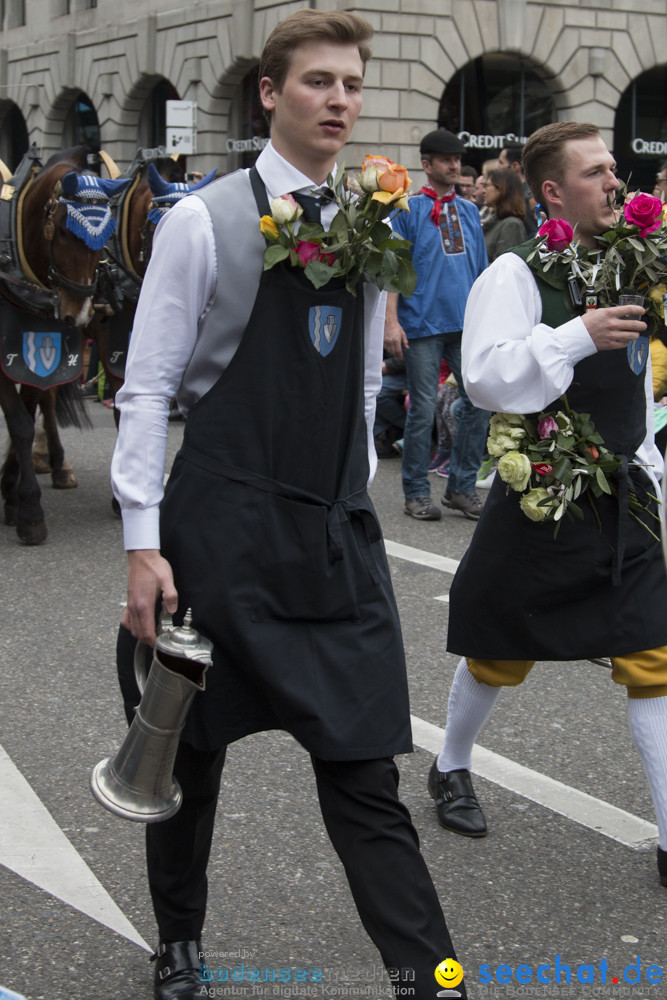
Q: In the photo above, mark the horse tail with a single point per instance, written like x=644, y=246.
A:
x=70, y=407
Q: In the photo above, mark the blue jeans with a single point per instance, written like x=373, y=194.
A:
x=389, y=405
x=422, y=367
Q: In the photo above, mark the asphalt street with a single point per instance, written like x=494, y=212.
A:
x=542, y=896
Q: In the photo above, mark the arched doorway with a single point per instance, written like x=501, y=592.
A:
x=153, y=119
x=248, y=128
x=493, y=99
x=14, y=139
x=81, y=124
x=640, y=129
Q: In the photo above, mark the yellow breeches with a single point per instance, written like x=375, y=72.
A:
x=644, y=674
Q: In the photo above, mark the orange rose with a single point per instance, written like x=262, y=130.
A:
x=388, y=181
x=594, y=452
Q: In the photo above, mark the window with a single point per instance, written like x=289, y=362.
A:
x=640, y=129
x=248, y=128
x=81, y=123
x=14, y=13
x=493, y=98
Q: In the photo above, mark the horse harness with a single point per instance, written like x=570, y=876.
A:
x=18, y=282
x=125, y=281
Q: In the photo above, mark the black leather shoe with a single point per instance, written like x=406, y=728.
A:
x=662, y=866
x=455, y=802
x=177, y=971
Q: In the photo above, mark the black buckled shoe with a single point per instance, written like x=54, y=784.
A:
x=662, y=866
x=177, y=971
x=455, y=802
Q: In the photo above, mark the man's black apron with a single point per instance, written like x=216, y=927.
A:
x=520, y=594
x=273, y=539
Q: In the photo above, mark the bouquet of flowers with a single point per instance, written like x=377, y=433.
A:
x=631, y=257
x=553, y=461
x=359, y=245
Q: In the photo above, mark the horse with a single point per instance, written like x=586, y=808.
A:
x=51, y=242
x=156, y=184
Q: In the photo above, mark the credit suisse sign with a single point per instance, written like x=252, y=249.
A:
x=649, y=147
x=254, y=145
x=471, y=141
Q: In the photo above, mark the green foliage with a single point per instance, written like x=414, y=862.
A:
x=359, y=245
x=554, y=461
x=625, y=261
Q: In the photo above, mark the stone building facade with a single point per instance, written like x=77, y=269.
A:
x=486, y=68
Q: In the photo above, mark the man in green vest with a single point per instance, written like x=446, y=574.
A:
x=598, y=588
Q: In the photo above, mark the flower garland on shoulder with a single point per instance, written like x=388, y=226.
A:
x=559, y=457
x=359, y=245
x=630, y=257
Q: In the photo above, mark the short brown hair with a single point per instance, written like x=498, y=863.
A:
x=543, y=154
x=511, y=199
x=305, y=25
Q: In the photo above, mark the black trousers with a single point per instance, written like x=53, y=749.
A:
x=370, y=830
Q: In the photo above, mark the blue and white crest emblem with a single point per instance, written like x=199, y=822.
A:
x=324, y=325
x=638, y=354
x=42, y=352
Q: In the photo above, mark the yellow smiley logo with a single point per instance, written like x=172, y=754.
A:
x=449, y=973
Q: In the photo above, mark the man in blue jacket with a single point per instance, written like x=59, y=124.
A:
x=449, y=254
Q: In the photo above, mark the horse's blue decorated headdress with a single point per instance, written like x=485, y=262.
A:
x=86, y=198
x=167, y=193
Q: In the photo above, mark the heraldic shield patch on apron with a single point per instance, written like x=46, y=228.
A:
x=593, y=591
x=274, y=541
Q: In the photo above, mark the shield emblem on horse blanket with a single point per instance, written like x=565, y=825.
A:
x=35, y=351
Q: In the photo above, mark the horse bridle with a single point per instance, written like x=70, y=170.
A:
x=58, y=280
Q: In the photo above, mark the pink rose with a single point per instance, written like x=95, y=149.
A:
x=545, y=426
x=542, y=468
x=307, y=252
x=645, y=212
x=558, y=233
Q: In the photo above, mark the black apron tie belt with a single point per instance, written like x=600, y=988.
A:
x=356, y=506
x=622, y=479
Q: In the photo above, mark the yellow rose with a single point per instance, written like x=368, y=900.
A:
x=656, y=293
x=268, y=227
x=515, y=469
x=529, y=504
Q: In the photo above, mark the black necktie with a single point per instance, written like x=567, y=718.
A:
x=311, y=206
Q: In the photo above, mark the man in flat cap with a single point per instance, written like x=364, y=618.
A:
x=449, y=254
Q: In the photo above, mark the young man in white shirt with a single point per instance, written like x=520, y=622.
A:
x=266, y=530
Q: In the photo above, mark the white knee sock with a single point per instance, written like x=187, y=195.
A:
x=648, y=725
x=470, y=705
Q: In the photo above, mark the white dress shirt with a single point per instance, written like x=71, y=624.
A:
x=177, y=292
x=513, y=363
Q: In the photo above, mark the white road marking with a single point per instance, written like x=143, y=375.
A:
x=33, y=846
x=421, y=557
x=595, y=814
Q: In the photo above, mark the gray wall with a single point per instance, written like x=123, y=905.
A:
x=588, y=52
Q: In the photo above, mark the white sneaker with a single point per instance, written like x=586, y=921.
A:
x=485, y=484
